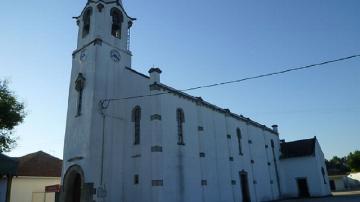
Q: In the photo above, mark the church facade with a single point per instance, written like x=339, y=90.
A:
x=166, y=145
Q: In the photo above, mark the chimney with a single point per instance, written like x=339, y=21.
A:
x=275, y=128
x=155, y=75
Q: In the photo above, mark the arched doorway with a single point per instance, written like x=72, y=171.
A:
x=73, y=185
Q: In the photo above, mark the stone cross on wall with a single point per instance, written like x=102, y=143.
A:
x=79, y=87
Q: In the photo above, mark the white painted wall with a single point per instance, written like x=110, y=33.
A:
x=30, y=189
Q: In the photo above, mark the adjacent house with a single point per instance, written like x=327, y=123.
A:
x=34, y=173
x=344, y=181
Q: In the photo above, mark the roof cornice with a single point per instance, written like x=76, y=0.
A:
x=200, y=101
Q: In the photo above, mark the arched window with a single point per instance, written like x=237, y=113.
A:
x=239, y=137
x=180, y=118
x=117, y=20
x=86, y=22
x=136, y=117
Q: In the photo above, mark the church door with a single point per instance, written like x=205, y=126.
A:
x=244, y=187
x=76, y=195
x=73, y=185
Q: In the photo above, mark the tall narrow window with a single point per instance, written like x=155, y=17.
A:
x=79, y=87
x=239, y=137
x=272, y=144
x=180, y=117
x=136, y=116
x=117, y=20
x=323, y=174
x=136, y=179
x=86, y=22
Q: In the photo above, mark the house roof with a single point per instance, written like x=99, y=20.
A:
x=8, y=165
x=39, y=164
x=300, y=148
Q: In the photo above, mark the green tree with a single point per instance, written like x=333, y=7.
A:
x=353, y=161
x=337, y=166
x=11, y=114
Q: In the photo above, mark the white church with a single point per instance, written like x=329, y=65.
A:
x=167, y=146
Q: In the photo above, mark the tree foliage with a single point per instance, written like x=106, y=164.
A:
x=353, y=161
x=337, y=165
x=344, y=165
x=11, y=114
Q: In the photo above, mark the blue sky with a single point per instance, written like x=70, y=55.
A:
x=200, y=42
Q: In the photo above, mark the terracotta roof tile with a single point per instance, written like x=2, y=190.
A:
x=39, y=164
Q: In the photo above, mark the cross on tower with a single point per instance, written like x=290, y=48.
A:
x=79, y=87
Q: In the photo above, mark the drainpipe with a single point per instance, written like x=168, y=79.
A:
x=276, y=130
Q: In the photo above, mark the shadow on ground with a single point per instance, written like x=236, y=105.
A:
x=350, y=196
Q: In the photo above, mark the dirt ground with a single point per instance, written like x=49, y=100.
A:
x=350, y=196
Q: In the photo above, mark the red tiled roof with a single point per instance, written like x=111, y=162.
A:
x=39, y=164
x=298, y=148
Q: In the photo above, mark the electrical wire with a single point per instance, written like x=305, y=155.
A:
x=107, y=101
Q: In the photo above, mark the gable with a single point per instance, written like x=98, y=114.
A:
x=39, y=164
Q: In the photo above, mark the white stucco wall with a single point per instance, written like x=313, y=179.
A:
x=31, y=189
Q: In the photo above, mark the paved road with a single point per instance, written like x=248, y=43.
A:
x=353, y=196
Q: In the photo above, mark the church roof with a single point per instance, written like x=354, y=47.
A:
x=39, y=164
x=202, y=102
x=300, y=148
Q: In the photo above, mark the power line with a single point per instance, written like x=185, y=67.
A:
x=105, y=102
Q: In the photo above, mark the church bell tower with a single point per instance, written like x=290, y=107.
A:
x=98, y=66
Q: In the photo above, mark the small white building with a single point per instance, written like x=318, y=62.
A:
x=344, y=182
x=164, y=146
x=338, y=182
x=303, y=169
